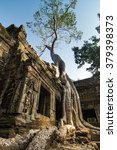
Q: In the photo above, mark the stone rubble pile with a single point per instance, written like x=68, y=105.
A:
x=49, y=138
x=18, y=142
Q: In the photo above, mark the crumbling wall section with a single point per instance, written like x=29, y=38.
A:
x=89, y=92
x=22, y=73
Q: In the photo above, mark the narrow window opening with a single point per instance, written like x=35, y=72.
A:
x=44, y=102
x=59, y=109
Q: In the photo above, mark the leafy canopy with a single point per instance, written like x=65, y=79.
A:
x=54, y=21
x=89, y=53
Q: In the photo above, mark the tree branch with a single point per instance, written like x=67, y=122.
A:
x=69, y=6
x=42, y=51
x=55, y=39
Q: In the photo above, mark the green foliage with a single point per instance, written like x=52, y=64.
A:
x=54, y=21
x=89, y=53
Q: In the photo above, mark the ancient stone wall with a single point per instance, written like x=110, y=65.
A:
x=89, y=92
x=24, y=78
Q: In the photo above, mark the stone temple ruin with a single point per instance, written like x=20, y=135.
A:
x=30, y=95
x=28, y=89
x=89, y=92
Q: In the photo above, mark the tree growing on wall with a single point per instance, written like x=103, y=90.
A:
x=55, y=21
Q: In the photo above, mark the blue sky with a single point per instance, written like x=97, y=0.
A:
x=20, y=11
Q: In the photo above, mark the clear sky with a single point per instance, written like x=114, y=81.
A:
x=21, y=11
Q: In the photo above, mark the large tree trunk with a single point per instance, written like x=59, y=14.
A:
x=72, y=113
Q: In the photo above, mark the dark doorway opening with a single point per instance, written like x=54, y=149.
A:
x=90, y=115
x=44, y=102
x=59, y=109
